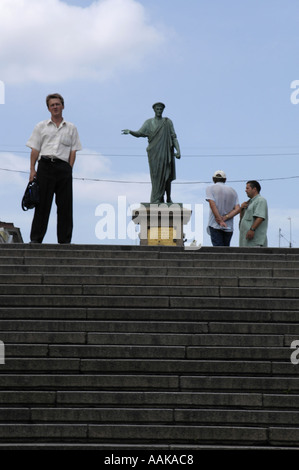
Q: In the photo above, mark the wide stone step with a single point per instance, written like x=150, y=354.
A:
x=236, y=303
x=94, y=415
x=178, y=327
x=151, y=290
x=8, y=281
x=265, y=384
x=183, y=302
x=253, y=328
x=146, y=280
x=201, y=314
x=91, y=398
x=182, y=367
x=238, y=417
x=185, y=399
x=279, y=384
x=216, y=367
x=88, y=381
x=260, y=292
x=148, y=339
x=150, y=366
x=128, y=280
x=153, y=399
x=24, y=254
x=149, y=262
x=79, y=290
x=251, y=353
x=274, y=282
x=116, y=326
x=12, y=270
x=137, y=433
x=131, y=352
x=149, y=415
x=145, y=291
x=74, y=250
x=60, y=261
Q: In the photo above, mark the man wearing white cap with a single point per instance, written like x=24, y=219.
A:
x=224, y=206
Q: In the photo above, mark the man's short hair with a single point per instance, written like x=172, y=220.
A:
x=255, y=184
x=54, y=96
x=219, y=180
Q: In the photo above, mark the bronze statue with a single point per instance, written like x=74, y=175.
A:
x=162, y=141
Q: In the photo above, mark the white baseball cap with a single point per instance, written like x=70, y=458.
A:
x=219, y=174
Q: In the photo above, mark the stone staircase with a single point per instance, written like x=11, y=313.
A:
x=126, y=347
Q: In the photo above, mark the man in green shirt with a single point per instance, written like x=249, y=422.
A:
x=254, y=217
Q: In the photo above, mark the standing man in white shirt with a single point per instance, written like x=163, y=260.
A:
x=54, y=143
x=224, y=206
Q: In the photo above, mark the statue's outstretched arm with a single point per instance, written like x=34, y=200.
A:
x=133, y=133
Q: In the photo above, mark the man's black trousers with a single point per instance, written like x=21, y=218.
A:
x=54, y=177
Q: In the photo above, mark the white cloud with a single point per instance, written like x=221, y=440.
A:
x=97, y=180
x=14, y=170
x=50, y=41
x=90, y=164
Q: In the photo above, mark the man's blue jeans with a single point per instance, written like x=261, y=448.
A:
x=220, y=237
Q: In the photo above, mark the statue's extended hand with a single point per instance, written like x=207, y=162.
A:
x=177, y=155
x=125, y=131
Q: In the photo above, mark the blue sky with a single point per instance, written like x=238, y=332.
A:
x=224, y=69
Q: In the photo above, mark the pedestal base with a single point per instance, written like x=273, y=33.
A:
x=161, y=224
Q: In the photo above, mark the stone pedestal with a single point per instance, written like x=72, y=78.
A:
x=161, y=224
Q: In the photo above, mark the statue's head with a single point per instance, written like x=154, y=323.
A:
x=158, y=104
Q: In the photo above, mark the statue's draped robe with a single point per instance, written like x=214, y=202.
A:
x=160, y=150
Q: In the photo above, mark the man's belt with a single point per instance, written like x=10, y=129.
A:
x=50, y=158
